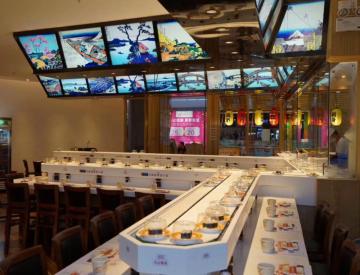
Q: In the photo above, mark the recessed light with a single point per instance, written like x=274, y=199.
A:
x=143, y=71
x=222, y=29
x=211, y=11
x=338, y=92
x=229, y=42
x=113, y=73
x=240, y=60
x=176, y=69
x=212, y=67
x=343, y=76
x=252, y=64
x=84, y=75
x=235, y=52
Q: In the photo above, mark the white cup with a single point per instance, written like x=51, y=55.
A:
x=269, y=224
x=271, y=211
x=267, y=245
x=271, y=202
x=266, y=269
x=99, y=264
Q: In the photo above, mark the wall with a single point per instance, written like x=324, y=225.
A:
x=41, y=125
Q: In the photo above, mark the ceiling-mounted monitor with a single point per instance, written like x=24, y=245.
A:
x=130, y=84
x=265, y=13
x=161, y=82
x=132, y=43
x=224, y=79
x=256, y=78
x=101, y=85
x=176, y=44
x=192, y=81
x=51, y=85
x=301, y=30
x=283, y=73
x=84, y=48
x=75, y=87
x=289, y=69
x=258, y=4
x=42, y=50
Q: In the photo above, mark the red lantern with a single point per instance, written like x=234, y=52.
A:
x=274, y=117
x=241, y=117
x=317, y=118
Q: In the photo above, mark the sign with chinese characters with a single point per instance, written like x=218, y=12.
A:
x=187, y=126
x=348, y=16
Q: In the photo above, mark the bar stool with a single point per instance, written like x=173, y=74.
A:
x=145, y=206
x=77, y=208
x=125, y=215
x=30, y=261
x=109, y=199
x=47, y=207
x=346, y=256
x=103, y=227
x=17, y=213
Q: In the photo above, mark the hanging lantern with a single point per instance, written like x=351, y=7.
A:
x=241, y=117
x=336, y=117
x=317, y=118
x=274, y=117
x=229, y=118
x=258, y=118
x=296, y=118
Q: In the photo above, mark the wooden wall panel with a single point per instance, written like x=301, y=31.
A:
x=152, y=124
x=212, y=124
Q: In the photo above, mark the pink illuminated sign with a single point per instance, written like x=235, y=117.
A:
x=187, y=126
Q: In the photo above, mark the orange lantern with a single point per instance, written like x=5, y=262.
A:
x=241, y=117
x=274, y=117
x=317, y=119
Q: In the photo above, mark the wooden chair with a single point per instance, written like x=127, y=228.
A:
x=109, y=199
x=159, y=199
x=355, y=267
x=17, y=213
x=47, y=219
x=30, y=261
x=103, y=227
x=77, y=208
x=145, y=206
x=346, y=256
x=37, y=168
x=68, y=246
x=26, y=167
x=125, y=215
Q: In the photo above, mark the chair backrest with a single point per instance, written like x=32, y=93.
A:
x=18, y=195
x=125, y=215
x=103, y=227
x=37, y=168
x=340, y=234
x=26, y=166
x=159, y=199
x=145, y=205
x=328, y=224
x=68, y=246
x=347, y=253
x=355, y=267
x=77, y=198
x=319, y=221
x=47, y=196
x=109, y=199
x=30, y=261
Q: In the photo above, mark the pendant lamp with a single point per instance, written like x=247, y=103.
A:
x=258, y=117
x=241, y=117
x=336, y=117
x=274, y=117
x=229, y=118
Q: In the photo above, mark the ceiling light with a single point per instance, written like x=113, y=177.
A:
x=113, y=73
x=212, y=67
x=176, y=69
x=343, y=76
x=211, y=11
x=338, y=92
x=240, y=60
x=143, y=71
x=252, y=64
x=229, y=42
x=222, y=29
x=84, y=75
x=234, y=52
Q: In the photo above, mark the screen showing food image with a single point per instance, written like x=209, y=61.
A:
x=51, y=85
x=43, y=51
x=75, y=86
x=161, y=82
x=301, y=29
x=225, y=79
x=192, y=81
x=130, y=84
x=102, y=85
x=176, y=44
x=259, y=78
x=132, y=43
x=84, y=48
x=265, y=11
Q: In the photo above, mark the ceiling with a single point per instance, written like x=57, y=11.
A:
x=22, y=15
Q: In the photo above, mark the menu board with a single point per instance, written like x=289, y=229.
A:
x=301, y=29
x=84, y=48
x=102, y=85
x=130, y=84
x=259, y=78
x=224, y=79
x=132, y=43
x=176, y=44
x=187, y=126
x=52, y=86
x=42, y=50
x=161, y=82
x=75, y=87
x=192, y=81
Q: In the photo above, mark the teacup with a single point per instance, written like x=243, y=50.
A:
x=99, y=264
x=266, y=269
x=269, y=224
x=271, y=211
x=271, y=202
x=267, y=245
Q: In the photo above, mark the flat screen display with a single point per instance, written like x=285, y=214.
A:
x=258, y=3
x=265, y=12
x=51, y=85
x=224, y=79
x=84, y=48
x=191, y=81
x=301, y=29
x=75, y=87
x=131, y=84
x=161, y=82
x=102, y=85
x=324, y=82
x=289, y=69
x=132, y=43
x=176, y=44
x=187, y=126
x=282, y=73
x=43, y=51
x=259, y=78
